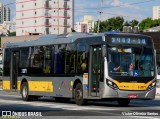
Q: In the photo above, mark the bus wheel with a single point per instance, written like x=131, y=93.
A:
x=124, y=102
x=79, y=95
x=24, y=93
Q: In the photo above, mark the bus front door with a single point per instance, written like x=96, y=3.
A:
x=95, y=70
x=14, y=69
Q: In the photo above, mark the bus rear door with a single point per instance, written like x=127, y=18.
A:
x=14, y=69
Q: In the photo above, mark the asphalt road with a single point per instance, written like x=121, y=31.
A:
x=47, y=106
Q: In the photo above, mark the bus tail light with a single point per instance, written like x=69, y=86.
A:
x=111, y=84
x=152, y=85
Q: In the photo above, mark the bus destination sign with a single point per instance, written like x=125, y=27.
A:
x=125, y=40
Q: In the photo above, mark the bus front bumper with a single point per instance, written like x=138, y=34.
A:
x=129, y=94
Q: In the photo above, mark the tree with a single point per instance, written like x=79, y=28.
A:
x=134, y=22
x=148, y=23
x=11, y=33
x=127, y=23
x=114, y=23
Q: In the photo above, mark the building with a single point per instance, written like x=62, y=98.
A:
x=153, y=29
x=87, y=25
x=7, y=16
x=9, y=26
x=4, y=13
x=44, y=16
x=156, y=12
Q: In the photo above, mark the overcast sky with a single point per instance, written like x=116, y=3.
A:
x=129, y=9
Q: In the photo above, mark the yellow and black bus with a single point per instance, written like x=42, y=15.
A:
x=83, y=66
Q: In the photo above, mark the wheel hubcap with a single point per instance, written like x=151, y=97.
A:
x=79, y=94
x=24, y=92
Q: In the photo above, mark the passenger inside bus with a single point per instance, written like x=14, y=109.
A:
x=84, y=66
x=130, y=72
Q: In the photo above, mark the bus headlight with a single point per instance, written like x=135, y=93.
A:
x=152, y=85
x=111, y=84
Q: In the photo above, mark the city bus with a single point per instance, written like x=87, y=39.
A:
x=82, y=66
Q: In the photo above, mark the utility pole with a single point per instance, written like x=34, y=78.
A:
x=100, y=14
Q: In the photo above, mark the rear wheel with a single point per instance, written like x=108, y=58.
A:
x=79, y=95
x=124, y=102
x=24, y=92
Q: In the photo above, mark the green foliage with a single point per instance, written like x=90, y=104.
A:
x=11, y=33
x=134, y=22
x=148, y=23
x=115, y=23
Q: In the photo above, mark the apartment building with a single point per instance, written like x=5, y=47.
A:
x=87, y=25
x=44, y=16
x=4, y=13
x=156, y=12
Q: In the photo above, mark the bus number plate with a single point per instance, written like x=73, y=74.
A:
x=132, y=95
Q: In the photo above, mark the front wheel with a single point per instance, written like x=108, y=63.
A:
x=124, y=102
x=79, y=95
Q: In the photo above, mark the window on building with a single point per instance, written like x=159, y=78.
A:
x=35, y=12
x=35, y=4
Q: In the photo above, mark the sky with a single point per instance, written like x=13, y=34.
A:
x=129, y=9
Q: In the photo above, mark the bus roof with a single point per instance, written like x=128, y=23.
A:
x=52, y=39
x=62, y=39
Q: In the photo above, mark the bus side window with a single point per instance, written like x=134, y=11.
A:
x=82, y=63
x=60, y=58
x=47, y=60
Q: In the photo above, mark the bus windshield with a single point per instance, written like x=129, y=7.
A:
x=131, y=61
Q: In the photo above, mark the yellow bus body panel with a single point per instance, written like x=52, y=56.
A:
x=132, y=86
x=18, y=85
x=41, y=86
x=6, y=85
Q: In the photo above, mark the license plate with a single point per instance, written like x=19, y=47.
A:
x=132, y=95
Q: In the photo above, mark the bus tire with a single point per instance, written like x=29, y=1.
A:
x=79, y=95
x=24, y=93
x=124, y=102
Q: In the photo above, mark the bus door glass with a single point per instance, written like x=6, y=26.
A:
x=96, y=61
x=14, y=69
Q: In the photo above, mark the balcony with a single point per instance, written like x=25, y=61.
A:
x=47, y=24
